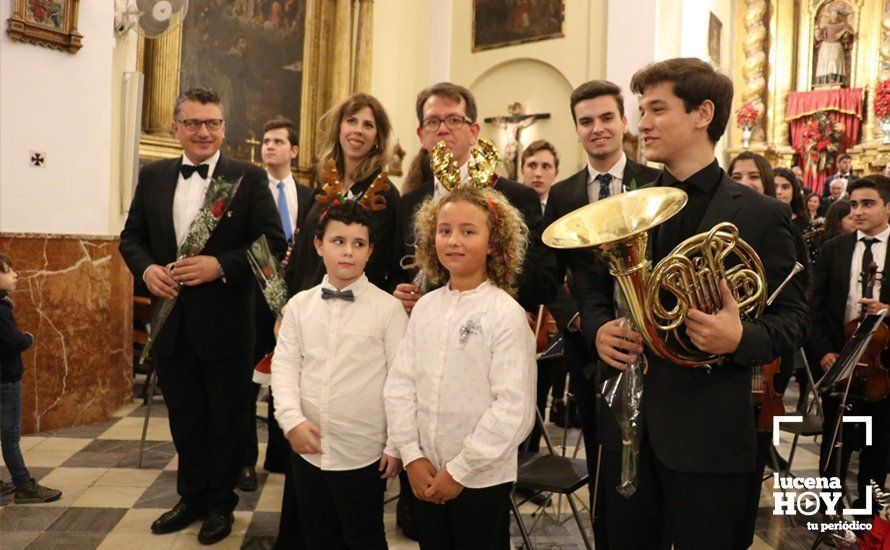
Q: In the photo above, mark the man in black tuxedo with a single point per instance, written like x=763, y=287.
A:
x=598, y=111
x=698, y=445
x=292, y=199
x=844, y=171
x=203, y=354
x=838, y=296
x=447, y=112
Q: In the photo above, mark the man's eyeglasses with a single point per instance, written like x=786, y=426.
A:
x=454, y=122
x=194, y=124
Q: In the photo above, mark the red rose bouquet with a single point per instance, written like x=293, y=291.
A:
x=882, y=100
x=747, y=115
x=217, y=199
x=822, y=140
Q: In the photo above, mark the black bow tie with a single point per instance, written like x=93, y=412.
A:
x=188, y=169
x=328, y=294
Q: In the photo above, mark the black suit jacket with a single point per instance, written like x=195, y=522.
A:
x=831, y=285
x=217, y=317
x=535, y=283
x=704, y=422
x=304, y=202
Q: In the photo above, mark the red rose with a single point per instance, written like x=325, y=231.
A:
x=267, y=271
x=218, y=208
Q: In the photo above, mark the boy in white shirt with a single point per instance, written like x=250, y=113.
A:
x=335, y=347
x=461, y=396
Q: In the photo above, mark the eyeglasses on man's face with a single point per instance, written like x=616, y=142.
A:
x=454, y=122
x=194, y=124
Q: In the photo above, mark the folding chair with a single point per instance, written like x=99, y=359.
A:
x=539, y=472
x=811, y=425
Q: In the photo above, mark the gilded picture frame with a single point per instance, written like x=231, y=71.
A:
x=49, y=23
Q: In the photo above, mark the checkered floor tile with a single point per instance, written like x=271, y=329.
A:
x=109, y=503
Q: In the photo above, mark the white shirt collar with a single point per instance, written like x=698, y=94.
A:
x=483, y=287
x=274, y=182
x=210, y=162
x=357, y=287
x=882, y=236
x=617, y=169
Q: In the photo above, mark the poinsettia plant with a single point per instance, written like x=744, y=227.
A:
x=822, y=140
x=747, y=115
x=882, y=100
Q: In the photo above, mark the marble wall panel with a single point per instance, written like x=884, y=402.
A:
x=75, y=295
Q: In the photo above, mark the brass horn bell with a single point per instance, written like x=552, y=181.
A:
x=618, y=228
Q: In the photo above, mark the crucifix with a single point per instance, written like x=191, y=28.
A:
x=512, y=125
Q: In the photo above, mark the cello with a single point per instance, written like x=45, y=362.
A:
x=870, y=374
x=766, y=400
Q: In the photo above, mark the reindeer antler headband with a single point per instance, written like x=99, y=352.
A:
x=371, y=199
x=483, y=161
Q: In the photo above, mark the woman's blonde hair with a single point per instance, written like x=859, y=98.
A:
x=508, y=236
x=329, y=127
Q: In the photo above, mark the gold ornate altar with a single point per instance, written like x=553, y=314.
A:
x=332, y=65
x=777, y=51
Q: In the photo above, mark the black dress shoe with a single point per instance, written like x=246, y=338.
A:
x=247, y=479
x=217, y=526
x=181, y=516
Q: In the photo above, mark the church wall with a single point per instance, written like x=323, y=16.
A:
x=540, y=75
x=57, y=103
x=74, y=292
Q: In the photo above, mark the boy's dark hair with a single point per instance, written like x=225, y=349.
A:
x=594, y=89
x=348, y=212
x=878, y=182
x=286, y=123
x=843, y=156
x=200, y=94
x=540, y=145
x=454, y=92
x=694, y=82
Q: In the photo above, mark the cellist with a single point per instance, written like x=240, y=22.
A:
x=839, y=297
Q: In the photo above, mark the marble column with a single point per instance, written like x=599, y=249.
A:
x=364, y=46
x=754, y=68
x=75, y=296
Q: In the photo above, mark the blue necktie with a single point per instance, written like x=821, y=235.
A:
x=328, y=294
x=283, y=213
x=605, y=180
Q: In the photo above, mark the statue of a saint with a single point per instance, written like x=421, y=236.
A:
x=833, y=39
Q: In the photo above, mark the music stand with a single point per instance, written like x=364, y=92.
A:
x=842, y=372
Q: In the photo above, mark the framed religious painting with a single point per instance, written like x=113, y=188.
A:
x=715, y=28
x=251, y=53
x=499, y=23
x=50, y=23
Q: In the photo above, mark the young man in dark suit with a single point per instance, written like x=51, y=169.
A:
x=698, y=444
x=838, y=297
x=447, y=112
x=292, y=199
x=203, y=354
x=598, y=111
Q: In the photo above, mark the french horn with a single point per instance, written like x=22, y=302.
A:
x=618, y=229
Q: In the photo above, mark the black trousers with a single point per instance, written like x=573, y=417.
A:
x=687, y=510
x=874, y=459
x=340, y=509
x=206, y=400
x=476, y=519
x=290, y=530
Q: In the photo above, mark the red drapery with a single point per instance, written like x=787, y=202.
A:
x=842, y=105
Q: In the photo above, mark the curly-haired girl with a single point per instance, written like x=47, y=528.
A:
x=461, y=395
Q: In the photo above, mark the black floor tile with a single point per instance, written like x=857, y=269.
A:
x=161, y=494
x=25, y=518
x=67, y=541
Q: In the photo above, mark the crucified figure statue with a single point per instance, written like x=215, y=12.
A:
x=512, y=125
